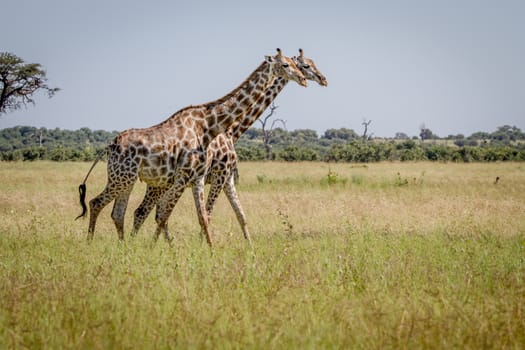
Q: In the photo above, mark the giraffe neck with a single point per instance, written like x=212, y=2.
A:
x=240, y=127
x=220, y=114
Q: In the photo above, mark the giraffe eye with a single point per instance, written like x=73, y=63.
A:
x=306, y=66
x=285, y=65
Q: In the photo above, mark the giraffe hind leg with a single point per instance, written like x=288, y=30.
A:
x=151, y=197
x=119, y=211
x=95, y=207
x=216, y=188
x=165, y=205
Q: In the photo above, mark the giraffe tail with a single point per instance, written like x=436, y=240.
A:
x=82, y=188
x=82, y=192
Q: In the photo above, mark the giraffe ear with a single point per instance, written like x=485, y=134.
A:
x=268, y=59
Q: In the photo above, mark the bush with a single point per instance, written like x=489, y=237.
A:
x=33, y=153
x=294, y=153
x=438, y=153
x=250, y=153
x=12, y=155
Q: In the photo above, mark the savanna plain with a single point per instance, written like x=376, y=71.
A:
x=348, y=256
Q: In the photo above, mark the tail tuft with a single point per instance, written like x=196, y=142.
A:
x=82, y=192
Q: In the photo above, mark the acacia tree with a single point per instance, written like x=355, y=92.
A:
x=267, y=130
x=19, y=81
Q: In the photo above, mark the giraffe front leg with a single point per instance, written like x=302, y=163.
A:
x=198, y=196
x=233, y=198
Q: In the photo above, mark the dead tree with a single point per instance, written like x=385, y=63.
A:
x=268, y=128
x=366, y=124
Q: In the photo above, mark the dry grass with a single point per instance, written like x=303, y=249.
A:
x=389, y=197
x=389, y=255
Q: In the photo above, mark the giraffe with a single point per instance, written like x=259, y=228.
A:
x=172, y=154
x=221, y=152
x=220, y=176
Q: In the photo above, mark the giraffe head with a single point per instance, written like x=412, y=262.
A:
x=284, y=67
x=308, y=68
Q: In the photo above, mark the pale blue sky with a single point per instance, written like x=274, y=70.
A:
x=455, y=66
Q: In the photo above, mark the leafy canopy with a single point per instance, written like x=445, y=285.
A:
x=19, y=81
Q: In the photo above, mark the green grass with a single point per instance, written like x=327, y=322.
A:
x=436, y=261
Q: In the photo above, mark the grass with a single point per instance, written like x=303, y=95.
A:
x=388, y=255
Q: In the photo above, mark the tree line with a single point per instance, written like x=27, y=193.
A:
x=507, y=143
x=31, y=143
x=19, y=81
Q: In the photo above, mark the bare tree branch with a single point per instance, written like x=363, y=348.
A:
x=366, y=124
x=282, y=121
x=268, y=132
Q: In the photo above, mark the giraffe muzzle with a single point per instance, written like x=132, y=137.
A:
x=302, y=82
